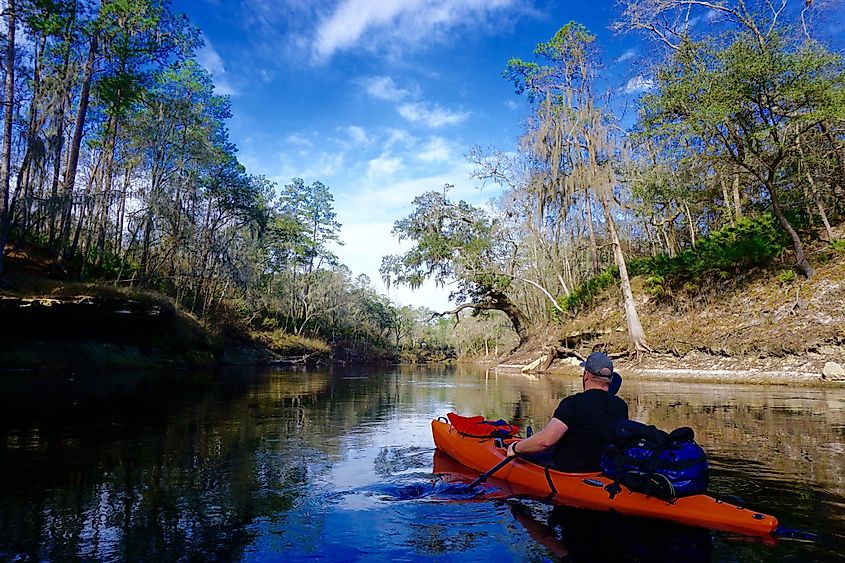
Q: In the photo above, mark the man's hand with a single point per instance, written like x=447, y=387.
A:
x=512, y=450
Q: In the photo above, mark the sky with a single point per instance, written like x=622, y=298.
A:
x=382, y=99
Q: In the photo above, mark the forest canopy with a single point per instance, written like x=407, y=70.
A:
x=116, y=162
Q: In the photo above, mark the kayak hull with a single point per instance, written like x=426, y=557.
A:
x=587, y=490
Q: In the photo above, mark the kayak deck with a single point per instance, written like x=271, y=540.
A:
x=587, y=490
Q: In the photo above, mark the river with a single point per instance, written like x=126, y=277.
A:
x=263, y=465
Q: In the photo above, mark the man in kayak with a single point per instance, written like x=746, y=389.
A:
x=573, y=440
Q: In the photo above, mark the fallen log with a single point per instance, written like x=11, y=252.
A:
x=533, y=365
x=553, y=352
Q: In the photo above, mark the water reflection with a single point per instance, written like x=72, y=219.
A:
x=582, y=535
x=243, y=465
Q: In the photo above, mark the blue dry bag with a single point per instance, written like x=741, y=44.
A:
x=649, y=460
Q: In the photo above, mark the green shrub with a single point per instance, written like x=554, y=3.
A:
x=787, y=276
x=587, y=291
x=838, y=246
x=722, y=255
x=655, y=285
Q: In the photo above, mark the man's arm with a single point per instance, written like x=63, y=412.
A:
x=542, y=440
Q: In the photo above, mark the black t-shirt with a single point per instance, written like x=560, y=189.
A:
x=586, y=415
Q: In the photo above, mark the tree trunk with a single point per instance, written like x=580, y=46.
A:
x=58, y=145
x=121, y=213
x=800, y=257
x=691, y=225
x=73, y=154
x=86, y=210
x=106, y=178
x=822, y=214
x=815, y=194
x=518, y=320
x=637, y=344
x=839, y=153
x=728, y=208
x=594, y=253
x=737, y=199
x=8, y=113
x=497, y=301
x=32, y=160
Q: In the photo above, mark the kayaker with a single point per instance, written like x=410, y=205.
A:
x=573, y=440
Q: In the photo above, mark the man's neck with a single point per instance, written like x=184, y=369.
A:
x=593, y=385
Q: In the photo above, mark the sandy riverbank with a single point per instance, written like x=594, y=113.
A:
x=698, y=367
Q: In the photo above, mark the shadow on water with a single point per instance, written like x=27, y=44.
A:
x=573, y=534
x=108, y=466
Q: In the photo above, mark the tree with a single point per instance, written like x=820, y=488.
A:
x=748, y=98
x=312, y=207
x=8, y=112
x=74, y=149
x=575, y=141
x=752, y=102
x=455, y=242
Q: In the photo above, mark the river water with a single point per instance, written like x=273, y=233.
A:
x=265, y=465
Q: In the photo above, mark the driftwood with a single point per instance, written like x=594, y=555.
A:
x=296, y=360
x=550, y=354
x=533, y=365
x=553, y=352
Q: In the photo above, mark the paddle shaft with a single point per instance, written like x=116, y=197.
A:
x=484, y=476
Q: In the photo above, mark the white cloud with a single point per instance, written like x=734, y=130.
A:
x=299, y=139
x=626, y=56
x=511, y=104
x=307, y=164
x=384, y=88
x=691, y=22
x=210, y=60
x=401, y=21
x=711, y=16
x=358, y=136
x=383, y=166
x=638, y=85
x=430, y=115
x=396, y=137
x=394, y=198
x=436, y=150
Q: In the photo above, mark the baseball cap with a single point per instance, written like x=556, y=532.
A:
x=599, y=365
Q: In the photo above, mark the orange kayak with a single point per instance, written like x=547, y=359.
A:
x=587, y=490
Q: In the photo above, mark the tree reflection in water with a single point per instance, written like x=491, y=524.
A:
x=242, y=465
x=156, y=466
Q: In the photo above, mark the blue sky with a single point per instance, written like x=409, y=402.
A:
x=381, y=99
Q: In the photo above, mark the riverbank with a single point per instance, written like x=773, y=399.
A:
x=50, y=323
x=758, y=327
x=703, y=369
